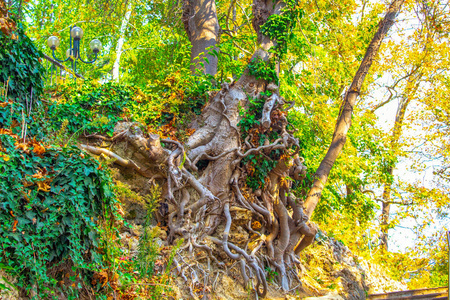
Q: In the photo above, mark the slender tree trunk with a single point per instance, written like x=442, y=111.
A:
x=394, y=145
x=386, y=207
x=385, y=211
x=202, y=27
x=121, y=41
x=344, y=120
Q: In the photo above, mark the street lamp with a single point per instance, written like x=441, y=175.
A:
x=73, y=53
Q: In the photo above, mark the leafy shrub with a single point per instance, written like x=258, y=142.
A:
x=53, y=202
x=148, y=249
x=89, y=107
x=263, y=70
x=82, y=105
x=146, y=274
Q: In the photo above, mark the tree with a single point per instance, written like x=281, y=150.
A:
x=120, y=42
x=244, y=156
x=202, y=28
x=414, y=80
x=344, y=120
x=210, y=177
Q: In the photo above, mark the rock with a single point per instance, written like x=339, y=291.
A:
x=377, y=279
x=227, y=288
x=133, y=244
x=159, y=242
x=10, y=293
x=240, y=216
x=124, y=237
x=136, y=230
x=332, y=268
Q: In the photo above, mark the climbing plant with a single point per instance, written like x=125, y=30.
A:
x=20, y=70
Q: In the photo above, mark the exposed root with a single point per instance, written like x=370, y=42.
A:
x=202, y=203
x=127, y=163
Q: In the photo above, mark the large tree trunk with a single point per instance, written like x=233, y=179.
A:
x=202, y=28
x=345, y=116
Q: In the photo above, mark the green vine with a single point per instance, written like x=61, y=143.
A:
x=263, y=70
x=258, y=165
x=20, y=69
x=53, y=203
x=279, y=27
x=83, y=106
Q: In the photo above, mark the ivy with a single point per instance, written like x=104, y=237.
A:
x=258, y=165
x=19, y=66
x=279, y=27
x=53, y=202
x=90, y=107
x=263, y=70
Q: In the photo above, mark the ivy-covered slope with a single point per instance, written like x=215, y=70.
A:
x=55, y=200
x=53, y=204
x=60, y=210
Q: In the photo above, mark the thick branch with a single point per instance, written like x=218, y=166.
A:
x=119, y=160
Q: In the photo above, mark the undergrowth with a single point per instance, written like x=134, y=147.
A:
x=59, y=213
x=147, y=273
x=166, y=107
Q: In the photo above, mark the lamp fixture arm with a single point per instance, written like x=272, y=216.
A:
x=88, y=62
x=54, y=56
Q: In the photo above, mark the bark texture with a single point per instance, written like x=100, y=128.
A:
x=202, y=28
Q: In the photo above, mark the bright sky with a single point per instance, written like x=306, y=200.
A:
x=403, y=236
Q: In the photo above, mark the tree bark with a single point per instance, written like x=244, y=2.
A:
x=344, y=120
x=202, y=28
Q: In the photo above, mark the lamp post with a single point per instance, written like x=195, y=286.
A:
x=73, y=53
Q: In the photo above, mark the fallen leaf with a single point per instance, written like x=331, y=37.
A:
x=38, y=148
x=23, y=147
x=43, y=186
x=15, y=225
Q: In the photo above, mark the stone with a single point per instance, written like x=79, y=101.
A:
x=10, y=292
